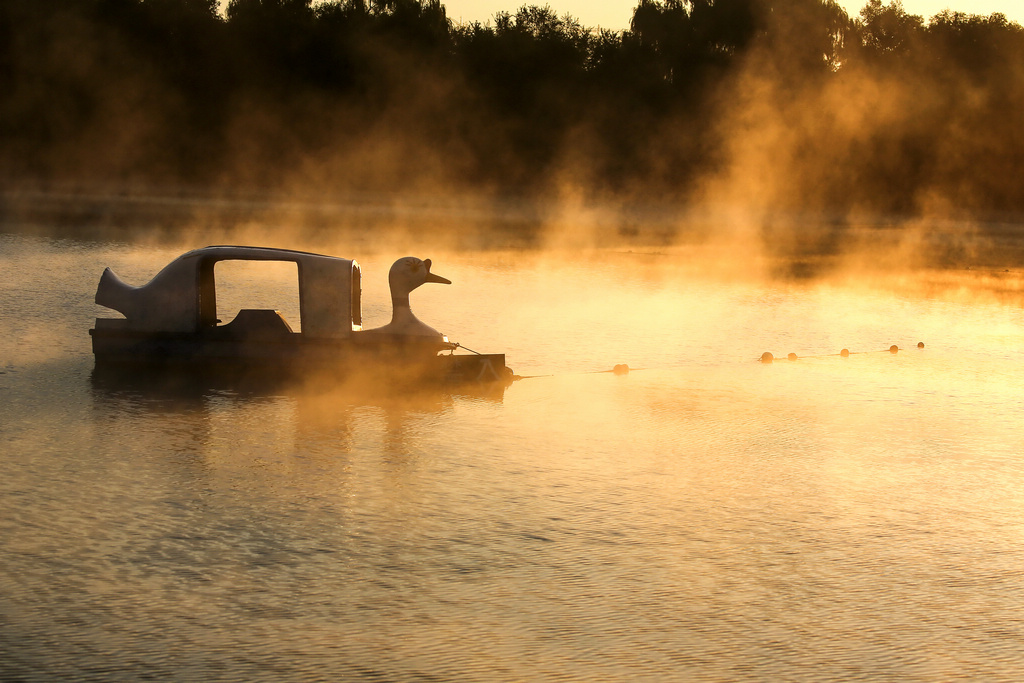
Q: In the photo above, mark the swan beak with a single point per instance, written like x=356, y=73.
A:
x=435, y=278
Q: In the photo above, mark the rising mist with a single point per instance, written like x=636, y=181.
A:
x=778, y=124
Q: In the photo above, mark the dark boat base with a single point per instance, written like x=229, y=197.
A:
x=292, y=359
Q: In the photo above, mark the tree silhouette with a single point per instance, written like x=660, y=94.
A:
x=888, y=29
x=169, y=92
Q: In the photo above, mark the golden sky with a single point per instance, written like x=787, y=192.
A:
x=615, y=14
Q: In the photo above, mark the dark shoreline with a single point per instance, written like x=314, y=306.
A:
x=804, y=245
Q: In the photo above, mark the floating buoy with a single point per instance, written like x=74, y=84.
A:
x=893, y=348
x=920, y=345
x=844, y=353
x=767, y=357
x=621, y=369
x=791, y=356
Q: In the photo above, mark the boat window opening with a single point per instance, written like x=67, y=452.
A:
x=266, y=285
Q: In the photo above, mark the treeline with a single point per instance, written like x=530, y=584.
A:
x=780, y=105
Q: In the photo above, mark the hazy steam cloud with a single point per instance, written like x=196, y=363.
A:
x=783, y=126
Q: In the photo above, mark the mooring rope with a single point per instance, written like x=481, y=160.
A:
x=457, y=345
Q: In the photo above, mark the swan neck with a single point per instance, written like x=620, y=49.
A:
x=400, y=306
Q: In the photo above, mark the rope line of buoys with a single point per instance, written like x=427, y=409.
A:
x=768, y=357
x=619, y=369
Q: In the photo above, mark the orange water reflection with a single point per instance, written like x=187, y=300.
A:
x=704, y=516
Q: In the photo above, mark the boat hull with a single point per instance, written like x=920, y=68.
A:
x=294, y=355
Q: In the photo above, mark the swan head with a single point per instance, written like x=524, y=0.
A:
x=408, y=273
x=405, y=275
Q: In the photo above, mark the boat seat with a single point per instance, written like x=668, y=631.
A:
x=253, y=323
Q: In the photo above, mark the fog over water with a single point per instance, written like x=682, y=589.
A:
x=703, y=517
x=765, y=107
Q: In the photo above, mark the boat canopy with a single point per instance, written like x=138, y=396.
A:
x=182, y=298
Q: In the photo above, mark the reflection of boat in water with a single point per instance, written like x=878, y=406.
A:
x=172, y=323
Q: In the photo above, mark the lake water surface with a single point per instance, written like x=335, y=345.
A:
x=706, y=517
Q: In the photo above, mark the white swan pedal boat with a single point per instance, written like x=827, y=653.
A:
x=172, y=322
